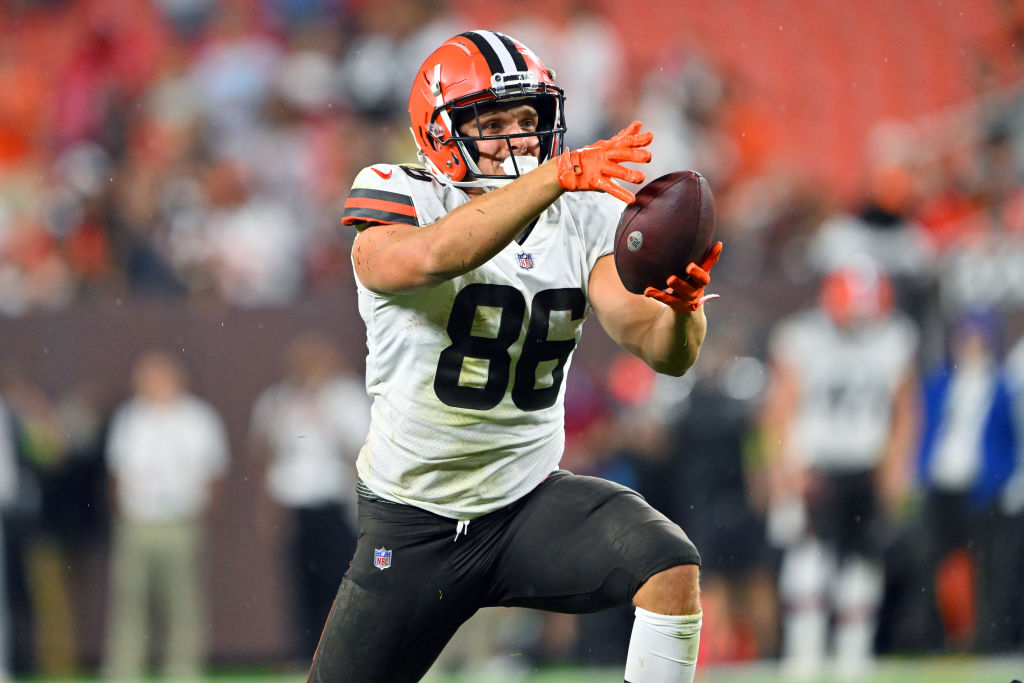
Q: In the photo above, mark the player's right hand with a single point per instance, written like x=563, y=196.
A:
x=594, y=167
x=688, y=295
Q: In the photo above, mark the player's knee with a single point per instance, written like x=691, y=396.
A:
x=858, y=587
x=675, y=590
x=805, y=574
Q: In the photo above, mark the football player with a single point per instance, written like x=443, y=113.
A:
x=475, y=271
x=840, y=422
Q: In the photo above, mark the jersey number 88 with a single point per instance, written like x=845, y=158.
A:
x=537, y=348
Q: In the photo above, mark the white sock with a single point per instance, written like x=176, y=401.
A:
x=803, y=644
x=855, y=646
x=857, y=593
x=663, y=648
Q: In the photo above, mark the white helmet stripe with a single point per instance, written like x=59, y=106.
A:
x=498, y=50
x=508, y=65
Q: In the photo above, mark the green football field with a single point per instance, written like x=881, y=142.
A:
x=946, y=669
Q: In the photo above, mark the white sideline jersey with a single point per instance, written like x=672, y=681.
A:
x=467, y=378
x=848, y=380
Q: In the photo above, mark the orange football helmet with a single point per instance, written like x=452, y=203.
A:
x=470, y=70
x=856, y=292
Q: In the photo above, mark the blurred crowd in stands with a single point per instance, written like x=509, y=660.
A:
x=196, y=150
x=201, y=149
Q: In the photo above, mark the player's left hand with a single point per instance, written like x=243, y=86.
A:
x=596, y=167
x=686, y=296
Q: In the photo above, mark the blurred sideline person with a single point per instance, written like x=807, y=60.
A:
x=166, y=450
x=57, y=515
x=709, y=441
x=307, y=430
x=8, y=494
x=1011, y=506
x=40, y=594
x=839, y=421
x=42, y=445
x=474, y=274
x=967, y=454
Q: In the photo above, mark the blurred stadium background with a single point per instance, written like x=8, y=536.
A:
x=172, y=174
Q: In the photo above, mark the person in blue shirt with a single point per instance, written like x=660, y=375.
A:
x=967, y=454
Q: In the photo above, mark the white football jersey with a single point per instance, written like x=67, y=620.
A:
x=848, y=379
x=467, y=378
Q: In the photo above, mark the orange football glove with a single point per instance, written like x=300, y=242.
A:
x=685, y=296
x=593, y=167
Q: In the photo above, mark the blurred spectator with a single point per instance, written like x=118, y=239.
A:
x=1011, y=503
x=307, y=430
x=968, y=449
x=152, y=190
x=144, y=97
x=883, y=227
x=683, y=101
x=48, y=590
x=33, y=273
x=8, y=493
x=709, y=430
x=689, y=440
x=985, y=234
x=23, y=94
x=233, y=76
x=585, y=50
x=166, y=450
x=49, y=636
x=245, y=246
x=394, y=39
x=187, y=17
x=68, y=465
x=839, y=422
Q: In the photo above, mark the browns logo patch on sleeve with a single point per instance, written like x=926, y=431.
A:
x=378, y=206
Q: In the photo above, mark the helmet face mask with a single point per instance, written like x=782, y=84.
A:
x=467, y=77
x=543, y=130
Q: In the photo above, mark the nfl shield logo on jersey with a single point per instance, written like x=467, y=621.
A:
x=525, y=260
x=381, y=558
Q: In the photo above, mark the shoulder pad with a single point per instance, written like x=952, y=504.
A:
x=379, y=195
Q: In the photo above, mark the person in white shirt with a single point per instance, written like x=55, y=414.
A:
x=307, y=430
x=839, y=422
x=165, y=452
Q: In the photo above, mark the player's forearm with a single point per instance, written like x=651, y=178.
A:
x=895, y=473
x=475, y=232
x=672, y=343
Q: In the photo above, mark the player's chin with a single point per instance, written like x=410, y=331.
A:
x=490, y=167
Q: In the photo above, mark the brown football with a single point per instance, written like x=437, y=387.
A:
x=670, y=225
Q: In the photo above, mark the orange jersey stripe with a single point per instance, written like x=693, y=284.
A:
x=379, y=205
